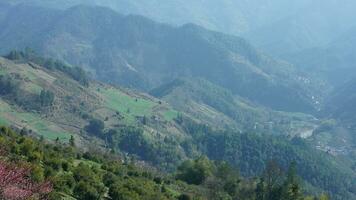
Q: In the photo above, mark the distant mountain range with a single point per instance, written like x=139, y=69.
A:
x=278, y=27
x=343, y=101
x=315, y=25
x=229, y=16
x=334, y=62
x=137, y=52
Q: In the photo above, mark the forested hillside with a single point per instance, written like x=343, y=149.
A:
x=137, y=52
x=47, y=98
x=98, y=104
x=278, y=27
x=204, y=100
x=60, y=171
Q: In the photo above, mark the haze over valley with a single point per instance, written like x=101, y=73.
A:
x=130, y=99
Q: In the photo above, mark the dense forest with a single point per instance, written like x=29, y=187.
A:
x=61, y=171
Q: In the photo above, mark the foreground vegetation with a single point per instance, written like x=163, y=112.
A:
x=63, y=172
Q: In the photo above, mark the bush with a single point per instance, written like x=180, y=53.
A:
x=95, y=127
x=7, y=85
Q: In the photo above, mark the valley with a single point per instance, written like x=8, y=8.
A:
x=179, y=105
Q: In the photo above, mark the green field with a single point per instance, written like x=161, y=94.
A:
x=129, y=107
x=33, y=88
x=32, y=121
x=170, y=115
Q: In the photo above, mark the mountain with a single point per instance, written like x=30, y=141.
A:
x=278, y=27
x=202, y=99
x=342, y=102
x=52, y=102
x=316, y=24
x=334, y=62
x=139, y=53
x=229, y=16
x=47, y=98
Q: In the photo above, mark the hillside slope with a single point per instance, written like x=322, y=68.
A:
x=57, y=101
x=137, y=52
x=204, y=100
x=62, y=171
x=334, y=62
x=75, y=105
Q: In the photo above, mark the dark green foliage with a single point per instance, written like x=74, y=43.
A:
x=8, y=85
x=92, y=179
x=186, y=51
x=46, y=98
x=120, y=192
x=195, y=172
x=275, y=185
x=223, y=182
x=250, y=152
x=29, y=55
x=72, y=141
x=95, y=127
x=184, y=197
x=12, y=91
x=86, y=180
x=15, y=55
x=85, y=191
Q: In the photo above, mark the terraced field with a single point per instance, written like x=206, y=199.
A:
x=115, y=106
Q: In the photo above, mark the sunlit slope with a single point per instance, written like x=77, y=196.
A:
x=211, y=103
x=74, y=104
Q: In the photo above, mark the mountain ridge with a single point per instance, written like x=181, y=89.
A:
x=123, y=55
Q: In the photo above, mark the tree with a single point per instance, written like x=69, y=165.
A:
x=184, y=197
x=8, y=85
x=119, y=192
x=14, y=55
x=291, y=187
x=324, y=197
x=273, y=178
x=95, y=127
x=260, y=190
x=46, y=98
x=72, y=141
x=84, y=191
x=195, y=172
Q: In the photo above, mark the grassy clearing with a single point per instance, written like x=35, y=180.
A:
x=30, y=74
x=42, y=127
x=32, y=121
x=170, y=115
x=44, y=130
x=4, y=107
x=86, y=162
x=3, y=121
x=3, y=72
x=128, y=106
x=33, y=88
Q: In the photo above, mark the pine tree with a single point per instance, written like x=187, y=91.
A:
x=260, y=190
x=72, y=141
x=291, y=187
